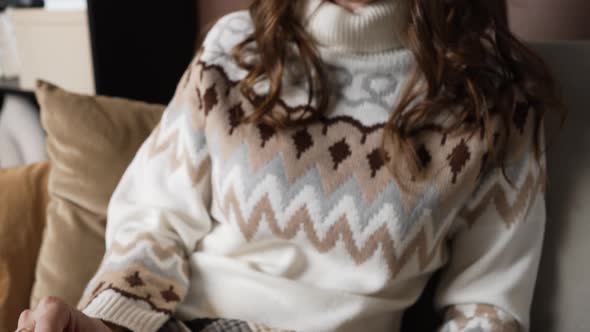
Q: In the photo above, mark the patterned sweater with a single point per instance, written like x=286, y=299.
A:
x=305, y=228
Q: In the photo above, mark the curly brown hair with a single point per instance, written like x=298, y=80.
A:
x=469, y=64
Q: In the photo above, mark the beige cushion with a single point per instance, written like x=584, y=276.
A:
x=90, y=141
x=563, y=293
x=23, y=199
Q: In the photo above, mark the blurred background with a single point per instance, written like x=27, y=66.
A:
x=550, y=19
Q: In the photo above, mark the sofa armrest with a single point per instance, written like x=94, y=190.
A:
x=23, y=200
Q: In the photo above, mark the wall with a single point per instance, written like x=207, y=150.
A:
x=550, y=19
x=530, y=19
x=209, y=11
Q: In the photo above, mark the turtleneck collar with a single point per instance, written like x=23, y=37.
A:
x=372, y=28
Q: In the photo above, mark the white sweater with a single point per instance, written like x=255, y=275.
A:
x=306, y=229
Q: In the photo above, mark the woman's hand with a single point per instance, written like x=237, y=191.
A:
x=53, y=315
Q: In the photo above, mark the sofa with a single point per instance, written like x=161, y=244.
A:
x=52, y=214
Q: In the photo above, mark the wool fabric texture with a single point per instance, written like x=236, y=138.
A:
x=307, y=228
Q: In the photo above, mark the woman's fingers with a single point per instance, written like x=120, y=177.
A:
x=26, y=320
x=52, y=315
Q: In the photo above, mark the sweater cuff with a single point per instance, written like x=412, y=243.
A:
x=135, y=315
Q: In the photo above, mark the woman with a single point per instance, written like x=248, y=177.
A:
x=320, y=161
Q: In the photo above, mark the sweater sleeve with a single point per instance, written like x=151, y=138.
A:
x=495, y=248
x=158, y=213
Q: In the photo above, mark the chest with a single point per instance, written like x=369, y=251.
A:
x=327, y=185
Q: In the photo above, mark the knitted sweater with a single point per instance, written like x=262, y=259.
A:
x=306, y=228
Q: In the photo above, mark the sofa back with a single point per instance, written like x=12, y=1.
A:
x=562, y=293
